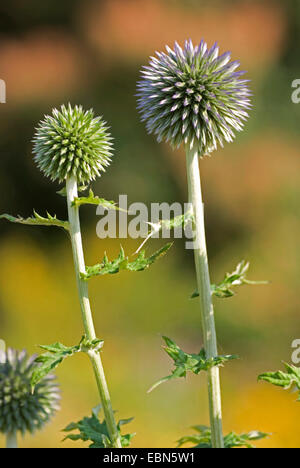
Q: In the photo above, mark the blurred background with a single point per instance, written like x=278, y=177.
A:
x=90, y=52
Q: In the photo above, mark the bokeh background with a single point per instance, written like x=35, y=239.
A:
x=90, y=52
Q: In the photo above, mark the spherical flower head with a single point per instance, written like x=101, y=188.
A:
x=193, y=96
x=20, y=409
x=72, y=142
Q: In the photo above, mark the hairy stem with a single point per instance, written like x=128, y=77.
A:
x=204, y=288
x=75, y=233
x=11, y=440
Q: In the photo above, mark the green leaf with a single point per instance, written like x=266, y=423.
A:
x=56, y=353
x=178, y=221
x=63, y=191
x=236, y=278
x=286, y=380
x=37, y=220
x=93, y=430
x=122, y=262
x=203, y=438
x=232, y=440
x=185, y=362
x=91, y=199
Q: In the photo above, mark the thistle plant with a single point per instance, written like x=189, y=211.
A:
x=194, y=97
x=22, y=410
x=73, y=147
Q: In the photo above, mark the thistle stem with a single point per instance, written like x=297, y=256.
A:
x=11, y=440
x=78, y=256
x=204, y=289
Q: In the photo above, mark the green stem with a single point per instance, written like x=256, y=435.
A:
x=75, y=233
x=11, y=440
x=204, y=288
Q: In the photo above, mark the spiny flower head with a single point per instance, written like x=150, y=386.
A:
x=193, y=96
x=20, y=409
x=72, y=142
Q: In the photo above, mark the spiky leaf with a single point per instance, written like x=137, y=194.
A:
x=168, y=224
x=202, y=439
x=185, y=362
x=37, y=220
x=92, y=199
x=93, y=430
x=282, y=379
x=173, y=223
x=56, y=353
x=237, y=278
x=122, y=263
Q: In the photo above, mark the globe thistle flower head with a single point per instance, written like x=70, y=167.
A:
x=72, y=142
x=20, y=409
x=193, y=96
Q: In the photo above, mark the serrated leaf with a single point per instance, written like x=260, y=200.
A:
x=236, y=278
x=178, y=221
x=286, y=380
x=185, y=362
x=70, y=427
x=92, y=199
x=37, y=220
x=232, y=440
x=93, y=430
x=56, y=353
x=243, y=440
x=122, y=262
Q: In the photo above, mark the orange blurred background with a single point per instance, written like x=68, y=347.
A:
x=90, y=52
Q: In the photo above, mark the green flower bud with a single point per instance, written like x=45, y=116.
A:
x=72, y=142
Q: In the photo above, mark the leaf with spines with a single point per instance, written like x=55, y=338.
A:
x=57, y=352
x=91, y=429
x=236, y=278
x=122, y=262
x=92, y=199
x=168, y=224
x=202, y=439
x=37, y=220
x=286, y=380
x=178, y=221
x=185, y=362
